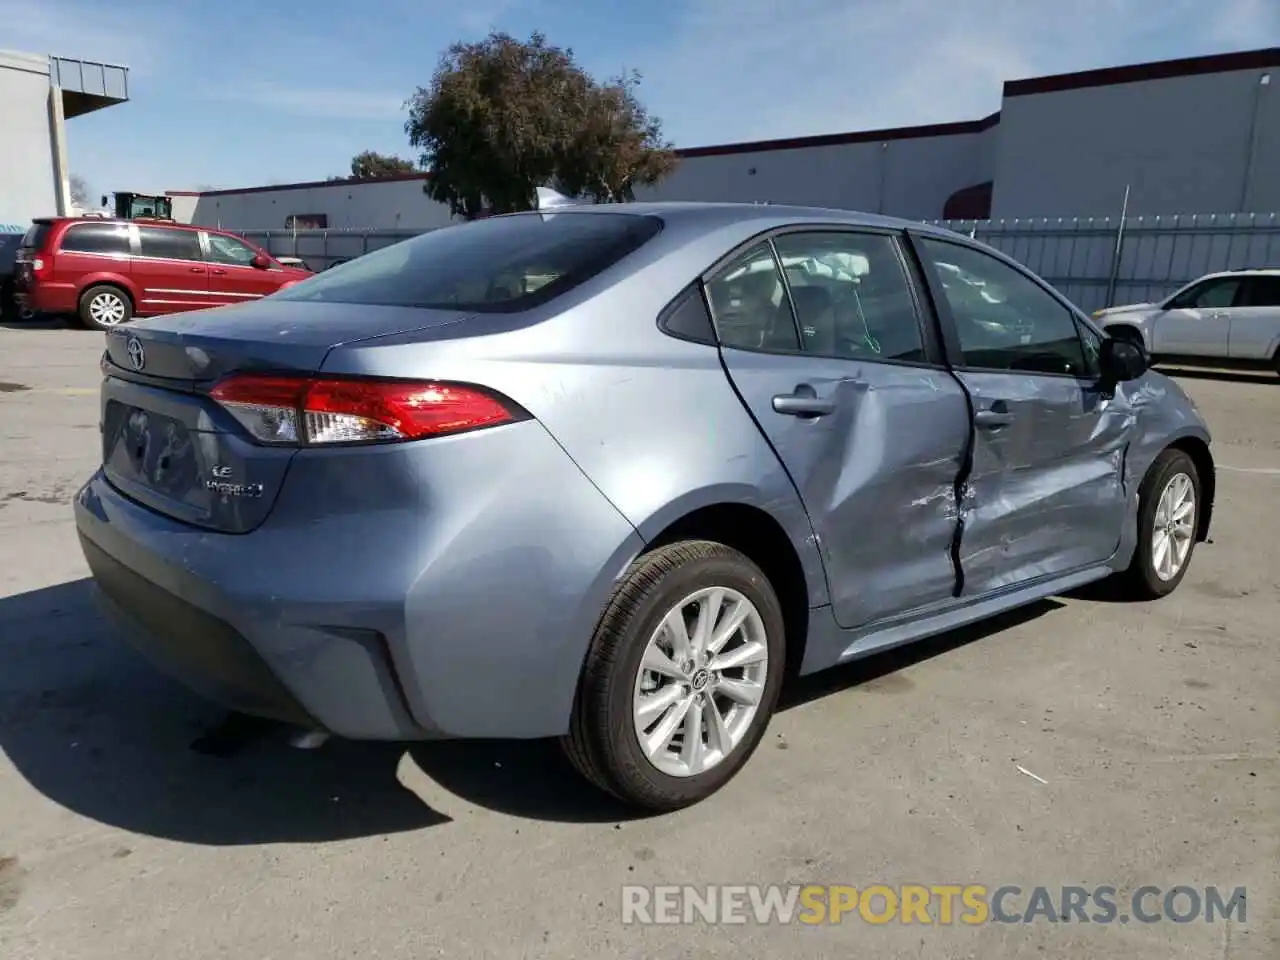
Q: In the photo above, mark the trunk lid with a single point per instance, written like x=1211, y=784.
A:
x=167, y=445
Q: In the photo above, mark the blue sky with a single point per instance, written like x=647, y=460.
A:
x=245, y=92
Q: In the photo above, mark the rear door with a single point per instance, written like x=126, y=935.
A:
x=1197, y=322
x=169, y=270
x=1255, y=321
x=1045, y=492
x=832, y=359
x=232, y=276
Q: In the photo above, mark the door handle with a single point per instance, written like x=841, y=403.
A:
x=1218, y=315
x=993, y=419
x=804, y=402
x=197, y=269
x=217, y=271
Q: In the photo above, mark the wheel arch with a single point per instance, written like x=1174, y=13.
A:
x=109, y=280
x=1198, y=450
x=760, y=537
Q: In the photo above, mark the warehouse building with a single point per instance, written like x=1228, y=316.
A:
x=38, y=94
x=1197, y=135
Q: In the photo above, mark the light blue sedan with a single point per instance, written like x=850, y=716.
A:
x=610, y=473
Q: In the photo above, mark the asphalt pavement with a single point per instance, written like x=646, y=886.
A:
x=1080, y=742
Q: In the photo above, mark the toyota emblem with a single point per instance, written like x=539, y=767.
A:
x=137, y=356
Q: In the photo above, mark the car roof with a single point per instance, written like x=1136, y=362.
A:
x=712, y=215
x=144, y=221
x=1244, y=272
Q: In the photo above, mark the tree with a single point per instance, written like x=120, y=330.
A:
x=370, y=166
x=79, y=190
x=617, y=146
x=503, y=117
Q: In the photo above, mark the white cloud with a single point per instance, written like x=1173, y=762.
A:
x=748, y=69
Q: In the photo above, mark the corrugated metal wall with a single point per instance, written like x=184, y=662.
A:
x=1095, y=264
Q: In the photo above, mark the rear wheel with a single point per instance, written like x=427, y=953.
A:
x=103, y=307
x=1168, y=518
x=681, y=678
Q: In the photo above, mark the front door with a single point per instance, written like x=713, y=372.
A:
x=828, y=356
x=232, y=276
x=1046, y=491
x=169, y=271
x=1197, y=321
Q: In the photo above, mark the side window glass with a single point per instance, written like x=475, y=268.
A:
x=1004, y=320
x=227, y=250
x=749, y=304
x=1211, y=295
x=169, y=244
x=852, y=296
x=1264, y=291
x=96, y=238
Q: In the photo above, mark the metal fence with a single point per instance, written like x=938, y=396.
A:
x=1102, y=261
x=1096, y=262
x=322, y=248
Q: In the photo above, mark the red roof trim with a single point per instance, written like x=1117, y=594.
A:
x=1139, y=72
x=306, y=185
x=841, y=139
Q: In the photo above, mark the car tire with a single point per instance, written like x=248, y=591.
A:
x=1172, y=475
x=618, y=702
x=104, y=307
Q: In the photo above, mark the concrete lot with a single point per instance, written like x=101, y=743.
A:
x=1156, y=727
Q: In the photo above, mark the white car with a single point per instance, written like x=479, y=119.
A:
x=1229, y=319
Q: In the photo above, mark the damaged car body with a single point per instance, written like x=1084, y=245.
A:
x=610, y=474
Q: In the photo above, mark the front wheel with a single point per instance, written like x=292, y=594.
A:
x=681, y=678
x=103, y=307
x=1168, y=521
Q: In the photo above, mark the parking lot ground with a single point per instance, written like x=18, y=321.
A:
x=1149, y=736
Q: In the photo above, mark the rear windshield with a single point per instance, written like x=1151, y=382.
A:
x=501, y=264
x=35, y=236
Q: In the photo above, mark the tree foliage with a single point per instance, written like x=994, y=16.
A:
x=78, y=189
x=370, y=166
x=503, y=117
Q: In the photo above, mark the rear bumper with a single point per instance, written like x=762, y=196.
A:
x=440, y=594
x=47, y=297
x=200, y=650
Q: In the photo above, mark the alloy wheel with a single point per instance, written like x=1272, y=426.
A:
x=700, y=682
x=1173, y=527
x=107, y=309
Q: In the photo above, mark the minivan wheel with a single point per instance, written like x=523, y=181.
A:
x=681, y=677
x=1168, y=518
x=104, y=307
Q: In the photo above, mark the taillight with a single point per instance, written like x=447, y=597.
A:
x=328, y=410
x=38, y=265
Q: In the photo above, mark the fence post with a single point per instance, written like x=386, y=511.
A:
x=1119, y=249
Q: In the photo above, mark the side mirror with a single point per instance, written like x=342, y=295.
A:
x=1122, y=361
x=262, y=261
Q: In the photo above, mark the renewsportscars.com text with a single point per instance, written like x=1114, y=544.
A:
x=940, y=904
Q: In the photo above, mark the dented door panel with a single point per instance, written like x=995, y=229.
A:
x=877, y=473
x=1046, y=491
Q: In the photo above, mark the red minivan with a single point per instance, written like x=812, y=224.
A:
x=105, y=272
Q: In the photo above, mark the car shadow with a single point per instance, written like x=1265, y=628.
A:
x=94, y=728
x=1221, y=376
x=10, y=321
